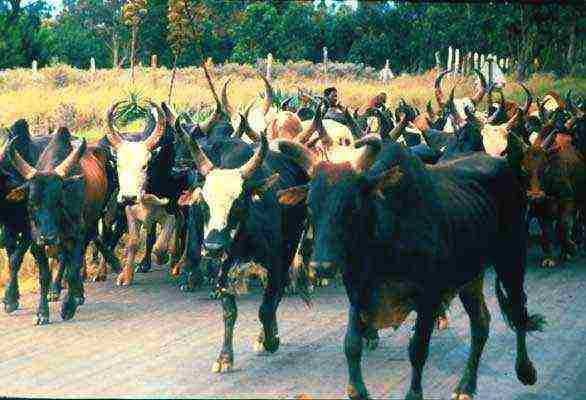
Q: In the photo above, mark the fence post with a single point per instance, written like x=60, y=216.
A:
x=457, y=62
x=438, y=63
x=325, y=66
x=386, y=73
x=154, y=61
x=269, y=66
x=507, y=63
x=490, y=61
x=476, y=66
x=449, y=66
x=481, y=61
x=34, y=66
x=93, y=65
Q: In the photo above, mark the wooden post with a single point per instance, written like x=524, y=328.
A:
x=507, y=64
x=34, y=66
x=490, y=61
x=93, y=65
x=386, y=73
x=154, y=61
x=481, y=61
x=476, y=66
x=449, y=66
x=438, y=63
x=325, y=66
x=269, y=66
x=457, y=62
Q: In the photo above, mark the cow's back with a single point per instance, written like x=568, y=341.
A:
x=93, y=167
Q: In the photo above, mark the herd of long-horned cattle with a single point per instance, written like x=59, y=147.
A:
x=409, y=207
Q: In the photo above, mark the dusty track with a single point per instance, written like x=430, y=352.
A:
x=151, y=340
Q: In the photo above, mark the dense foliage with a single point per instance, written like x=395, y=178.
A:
x=548, y=37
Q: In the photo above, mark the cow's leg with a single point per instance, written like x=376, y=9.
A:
x=165, y=242
x=546, y=225
x=353, y=351
x=126, y=277
x=38, y=253
x=419, y=348
x=188, y=267
x=57, y=284
x=472, y=298
x=145, y=264
x=108, y=257
x=16, y=248
x=177, y=237
x=75, y=293
x=566, y=225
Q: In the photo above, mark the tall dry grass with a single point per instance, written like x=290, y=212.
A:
x=65, y=96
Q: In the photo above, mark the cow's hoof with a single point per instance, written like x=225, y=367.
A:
x=53, y=295
x=414, y=395
x=442, y=323
x=461, y=396
x=548, y=263
x=356, y=393
x=271, y=344
x=10, y=306
x=143, y=268
x=371, y=343
x=68, y=309
x=223, y=364
x=79, y=300
x=526, y=373
x=123, y=280
x=43, y=319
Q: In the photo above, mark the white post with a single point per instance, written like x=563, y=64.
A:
x=476, y=60
x=93, y=65
x=34, y=66
x=438, y=63
x=507, y=63
x=325, y=66
x=386, y=73
x=449, y=66
x=502, y=63
x=457, y=62
x=269, y=66
x=154, y=61
x=481, y=61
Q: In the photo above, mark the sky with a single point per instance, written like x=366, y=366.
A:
x=58, y=4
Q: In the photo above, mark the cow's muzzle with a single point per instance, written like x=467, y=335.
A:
x=323, y=269
x=536, y=196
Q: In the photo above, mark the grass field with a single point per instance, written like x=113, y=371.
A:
x=64, y=96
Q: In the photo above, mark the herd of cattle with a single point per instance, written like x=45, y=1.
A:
x=409, y=207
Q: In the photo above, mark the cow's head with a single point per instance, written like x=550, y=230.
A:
x=133, y=158
x=47, y=189
x=225, y=196
x=460, y=104
x=335, y=199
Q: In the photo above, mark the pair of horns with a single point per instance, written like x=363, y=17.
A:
x=204, y=165
x=116, y=138
x=476, y=98
x=28, y=172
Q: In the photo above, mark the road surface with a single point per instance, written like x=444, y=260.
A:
x=151, y=340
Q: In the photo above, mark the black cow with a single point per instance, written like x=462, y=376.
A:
x=427, y=233
x=65, y=193
x=240, y=220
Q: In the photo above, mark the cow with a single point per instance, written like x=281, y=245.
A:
x=556, y=173
x=240, y=220
x=427, y=233
x=65, y=193
x=148, y=189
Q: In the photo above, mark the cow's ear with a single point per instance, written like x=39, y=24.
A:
x=293, y=196
x=190, y=198
x=260, y=186
x=389, y=178
x=18, y=195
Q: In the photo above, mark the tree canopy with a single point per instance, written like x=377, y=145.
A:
x=547, y=37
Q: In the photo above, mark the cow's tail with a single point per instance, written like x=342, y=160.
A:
x=515, y=313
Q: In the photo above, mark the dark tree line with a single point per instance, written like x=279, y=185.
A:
x=547, y=37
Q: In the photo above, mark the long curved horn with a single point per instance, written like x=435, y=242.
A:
x=501, y=109
x=481, y=91
x=211, y=84
x=202, y=162
x=154, y=138
x=304, y=135
x=269, y=95
x=72, y=159
x=489, y=99
x=245, y=127
x=19, y=163
x=398, y=129
x=528, y=101
x=227, y=107
x=170, y=116
x=113, y=135
x=367, y=158
x=439, y=96
x=256, y=160
x=549, y=140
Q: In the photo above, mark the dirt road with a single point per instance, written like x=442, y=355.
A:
x=151, y=340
